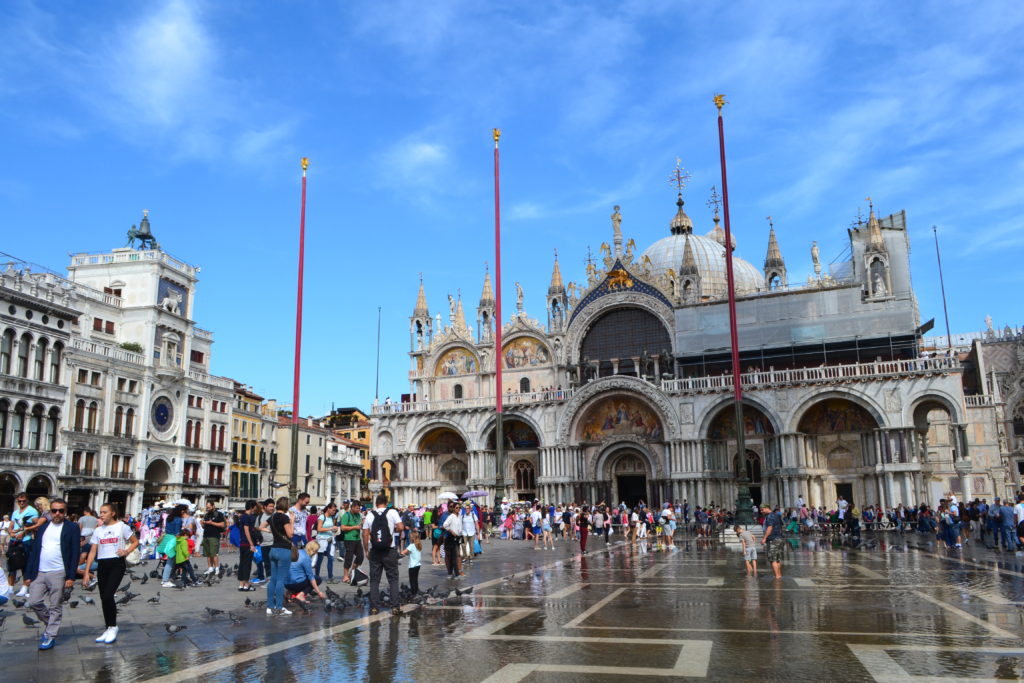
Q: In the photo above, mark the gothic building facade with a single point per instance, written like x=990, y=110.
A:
x=624, y=393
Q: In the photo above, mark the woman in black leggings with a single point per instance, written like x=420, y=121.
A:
x=112, y=542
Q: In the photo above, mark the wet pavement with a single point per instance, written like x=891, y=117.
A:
x=901, y=610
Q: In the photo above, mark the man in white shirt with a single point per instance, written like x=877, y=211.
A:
x=1018, y=510
x=535, y=517
x=52, y=568
x=841, y=504
x=380, y=541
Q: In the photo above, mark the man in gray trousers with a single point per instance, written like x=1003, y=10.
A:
x=52, y=568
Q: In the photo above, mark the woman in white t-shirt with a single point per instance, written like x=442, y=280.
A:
x=112, y=541
x=5, y=533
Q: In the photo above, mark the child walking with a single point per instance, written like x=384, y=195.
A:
x=413, y=551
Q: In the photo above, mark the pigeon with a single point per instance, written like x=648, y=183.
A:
x=155, y=599
x=144, y=579
x=220, y=573
x=465, y=592
x=87, y=600
x=236, y=618
x=154, y=574
x=92, y=586
x=124, y=588
x=235, y=568
x=29, y=621
x=123, y=600
x=73, y=604
x=248, y=602
x=213, y=612
x=18, y=603
x=174, y=628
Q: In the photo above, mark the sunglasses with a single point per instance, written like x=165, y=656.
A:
x=56, y=510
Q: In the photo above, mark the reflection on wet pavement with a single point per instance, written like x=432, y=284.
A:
x=894, y=613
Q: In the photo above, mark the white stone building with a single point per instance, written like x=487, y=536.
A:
x=625, y=394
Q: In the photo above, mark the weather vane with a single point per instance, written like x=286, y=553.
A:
x=770, y=224
x=860, y=219
x=679, y=177
x=714, y=202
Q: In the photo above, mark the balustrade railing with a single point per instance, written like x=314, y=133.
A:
x=510, y=399
x=108, y=351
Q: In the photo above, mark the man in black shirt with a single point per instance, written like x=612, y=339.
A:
x=213, y=527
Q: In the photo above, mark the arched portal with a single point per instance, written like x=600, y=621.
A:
x=158, y=476
x=8, y=487
x=630, y=477
x=518, y=436
x=39, y=485
x=758, y=432
x=840, y=440
x=442, y=440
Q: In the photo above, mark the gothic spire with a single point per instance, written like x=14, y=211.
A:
x=773, y=259
x=689, y=262
x=556, y=285
x=487, y=295
x=681, y=223
x=460, y=316
x=421, y=302
x=875, y=240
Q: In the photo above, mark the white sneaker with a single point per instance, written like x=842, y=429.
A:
x=270, y=612
x=111, y=635
x=167, y=584
x=103, y=636
x=23, y=593
x=285, y=611
x=210, y=570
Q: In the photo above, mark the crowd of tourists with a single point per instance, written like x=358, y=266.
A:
x=291, y=547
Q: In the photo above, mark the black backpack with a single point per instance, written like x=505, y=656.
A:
x=380, y=531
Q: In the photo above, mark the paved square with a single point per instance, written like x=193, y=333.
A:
x=894, y=613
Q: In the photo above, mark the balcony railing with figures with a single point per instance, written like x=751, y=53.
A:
x=825, y=374
x=108, y=351
x=212, y=380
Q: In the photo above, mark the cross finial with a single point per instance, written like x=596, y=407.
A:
x=590, y=258
x=770, y=224
x=679, y=177
x=860, y=219
x=421, y=277
x=556, y=253
x=487, y=267
x=459, y=292
x=714, y=202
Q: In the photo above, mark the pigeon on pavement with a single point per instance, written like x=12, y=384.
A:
x=29, y=621
x=175, y=628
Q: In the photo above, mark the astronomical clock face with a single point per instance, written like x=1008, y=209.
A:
x=162, y=414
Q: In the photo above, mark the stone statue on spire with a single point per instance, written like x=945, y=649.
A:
x=617, y=230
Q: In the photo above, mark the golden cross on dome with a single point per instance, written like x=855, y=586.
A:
x=714, y=202
x=145, y=213
x=679, y=177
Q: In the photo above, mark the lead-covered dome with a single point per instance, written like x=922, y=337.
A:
x=708, y=254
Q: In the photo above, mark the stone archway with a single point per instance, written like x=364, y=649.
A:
x=158, y=477
x=9, y=486
x=630, y=477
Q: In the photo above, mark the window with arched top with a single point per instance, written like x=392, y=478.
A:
x=129, y=422
x=454, y=471
x=4, y=408
x=457, y=391
x=56, y=356
x=18, y=426
x=525, y=475
x=93, y=416
x=79, y=415
x=118, y=420
x=24, y=346
x=35, y=428
x=39, y=361
x=52, y=424
x=188, y=433
x=6, y=350
x=524, y=385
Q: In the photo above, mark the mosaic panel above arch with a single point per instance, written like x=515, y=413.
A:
x=756, y=424
x=620, y=415
x=524, y=352
x=457, y=361
x=836, y=415
x=442, y=440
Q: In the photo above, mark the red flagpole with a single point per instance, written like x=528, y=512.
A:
x=293, y=481
x=499, y=435
x=743, y=504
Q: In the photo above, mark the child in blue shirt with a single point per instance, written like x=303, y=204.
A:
x=413, y=551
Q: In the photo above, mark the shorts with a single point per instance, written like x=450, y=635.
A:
x=304, y=587
x=750, y=554
x=536, y=530
x=211, y=546
x=546, y=528
x=775, y=548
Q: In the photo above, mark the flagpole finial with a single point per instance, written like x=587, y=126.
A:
x=719, y=101
x=305, y=164
x=497, y=136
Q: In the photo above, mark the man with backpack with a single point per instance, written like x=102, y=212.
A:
x=380, y=528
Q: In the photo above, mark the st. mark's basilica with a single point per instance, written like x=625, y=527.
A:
x=624, y=391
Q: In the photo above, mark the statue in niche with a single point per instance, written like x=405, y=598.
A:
x=171, y=302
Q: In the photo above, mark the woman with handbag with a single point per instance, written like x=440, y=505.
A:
x=113, y=541
x=282, y=553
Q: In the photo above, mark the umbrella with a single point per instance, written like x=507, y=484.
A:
x=447, y=495
x=474, y=494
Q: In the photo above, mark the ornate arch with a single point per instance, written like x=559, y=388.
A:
x=613, y=448
x=937, y=396
x=19, y=485
x=435, y=423
x=582, y=323
x=521, y=334
x=714, y=410
x=860, y=400
x=436, y=358
x=522, y=417
x=599, y=388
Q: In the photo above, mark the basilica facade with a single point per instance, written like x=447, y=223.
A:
x=624, y=391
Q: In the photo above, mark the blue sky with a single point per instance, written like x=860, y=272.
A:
x=199, y=112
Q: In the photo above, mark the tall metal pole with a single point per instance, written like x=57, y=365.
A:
x=499, y=430
x=376, y=386
x=743, y=501
x=293, y=480
x=942, y=285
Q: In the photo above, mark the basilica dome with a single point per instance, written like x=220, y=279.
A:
x=708, y=255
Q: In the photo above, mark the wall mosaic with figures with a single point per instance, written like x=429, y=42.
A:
x=456, y=362
x=619, y=415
